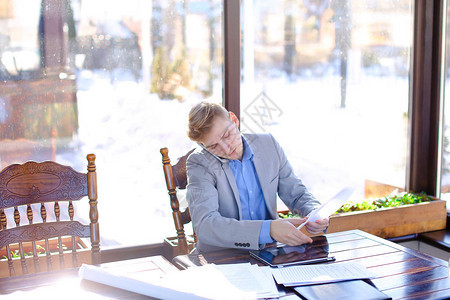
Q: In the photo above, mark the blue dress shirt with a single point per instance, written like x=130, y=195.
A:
x=250, y=193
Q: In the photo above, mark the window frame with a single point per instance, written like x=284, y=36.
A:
x=426, y=97
x=422, y=172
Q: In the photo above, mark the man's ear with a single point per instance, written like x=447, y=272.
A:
x=233, y=118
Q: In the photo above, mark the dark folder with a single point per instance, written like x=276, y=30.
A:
x=353, y=289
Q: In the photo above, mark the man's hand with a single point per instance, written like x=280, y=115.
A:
x=285, y=231
x=318, y=226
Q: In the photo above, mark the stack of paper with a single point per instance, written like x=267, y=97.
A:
x=146, y=286
x=320, y=273
x=233, y=281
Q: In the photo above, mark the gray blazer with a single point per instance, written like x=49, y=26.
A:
x=213, y=197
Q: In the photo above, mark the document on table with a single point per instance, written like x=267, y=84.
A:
x=251, y=279
x=329, y=207
x=321, y=273
x=233, y=281
x=152, y=287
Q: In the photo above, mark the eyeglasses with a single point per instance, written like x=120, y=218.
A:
x=230, y=133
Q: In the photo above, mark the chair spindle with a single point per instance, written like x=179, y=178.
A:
x=171, y=186
x=47, y=245
x=60, y=245
x=3, y=224
x=21, y=253
x=93, y=212
x=71, y=211
x=33, y=243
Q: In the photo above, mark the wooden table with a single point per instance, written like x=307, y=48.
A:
x=66, y=284
x=402, y=273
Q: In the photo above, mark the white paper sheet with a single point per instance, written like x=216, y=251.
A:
x=321, y=273
x=329, y=207
x=155, y=289
x=207, y=281
x=251, y=279
x=233, y=281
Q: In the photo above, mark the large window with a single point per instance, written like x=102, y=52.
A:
x=114, y=78
x=445, y=149
x=330, y=80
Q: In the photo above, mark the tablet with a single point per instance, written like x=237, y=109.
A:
x=282, y=255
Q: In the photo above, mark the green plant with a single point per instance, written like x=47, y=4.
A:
x=288, y=215
x=39, y=250
x=16, y=254
x=387, y=201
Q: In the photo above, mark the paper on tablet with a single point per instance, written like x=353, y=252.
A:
x=329, y=207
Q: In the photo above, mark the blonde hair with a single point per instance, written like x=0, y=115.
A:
x=201, y=118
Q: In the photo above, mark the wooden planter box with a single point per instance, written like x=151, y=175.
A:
x=394, y=221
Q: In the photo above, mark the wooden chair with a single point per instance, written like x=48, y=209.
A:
x=41, y=191
x=176, y=177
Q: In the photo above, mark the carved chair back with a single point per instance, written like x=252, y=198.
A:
x=34, y=223
x=176, y=178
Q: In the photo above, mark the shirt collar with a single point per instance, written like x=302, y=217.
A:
x=248, y=152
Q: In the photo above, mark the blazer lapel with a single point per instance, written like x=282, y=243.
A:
x=230, y=177
x=258, y=161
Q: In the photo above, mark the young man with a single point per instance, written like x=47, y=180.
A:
x=233, y=181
